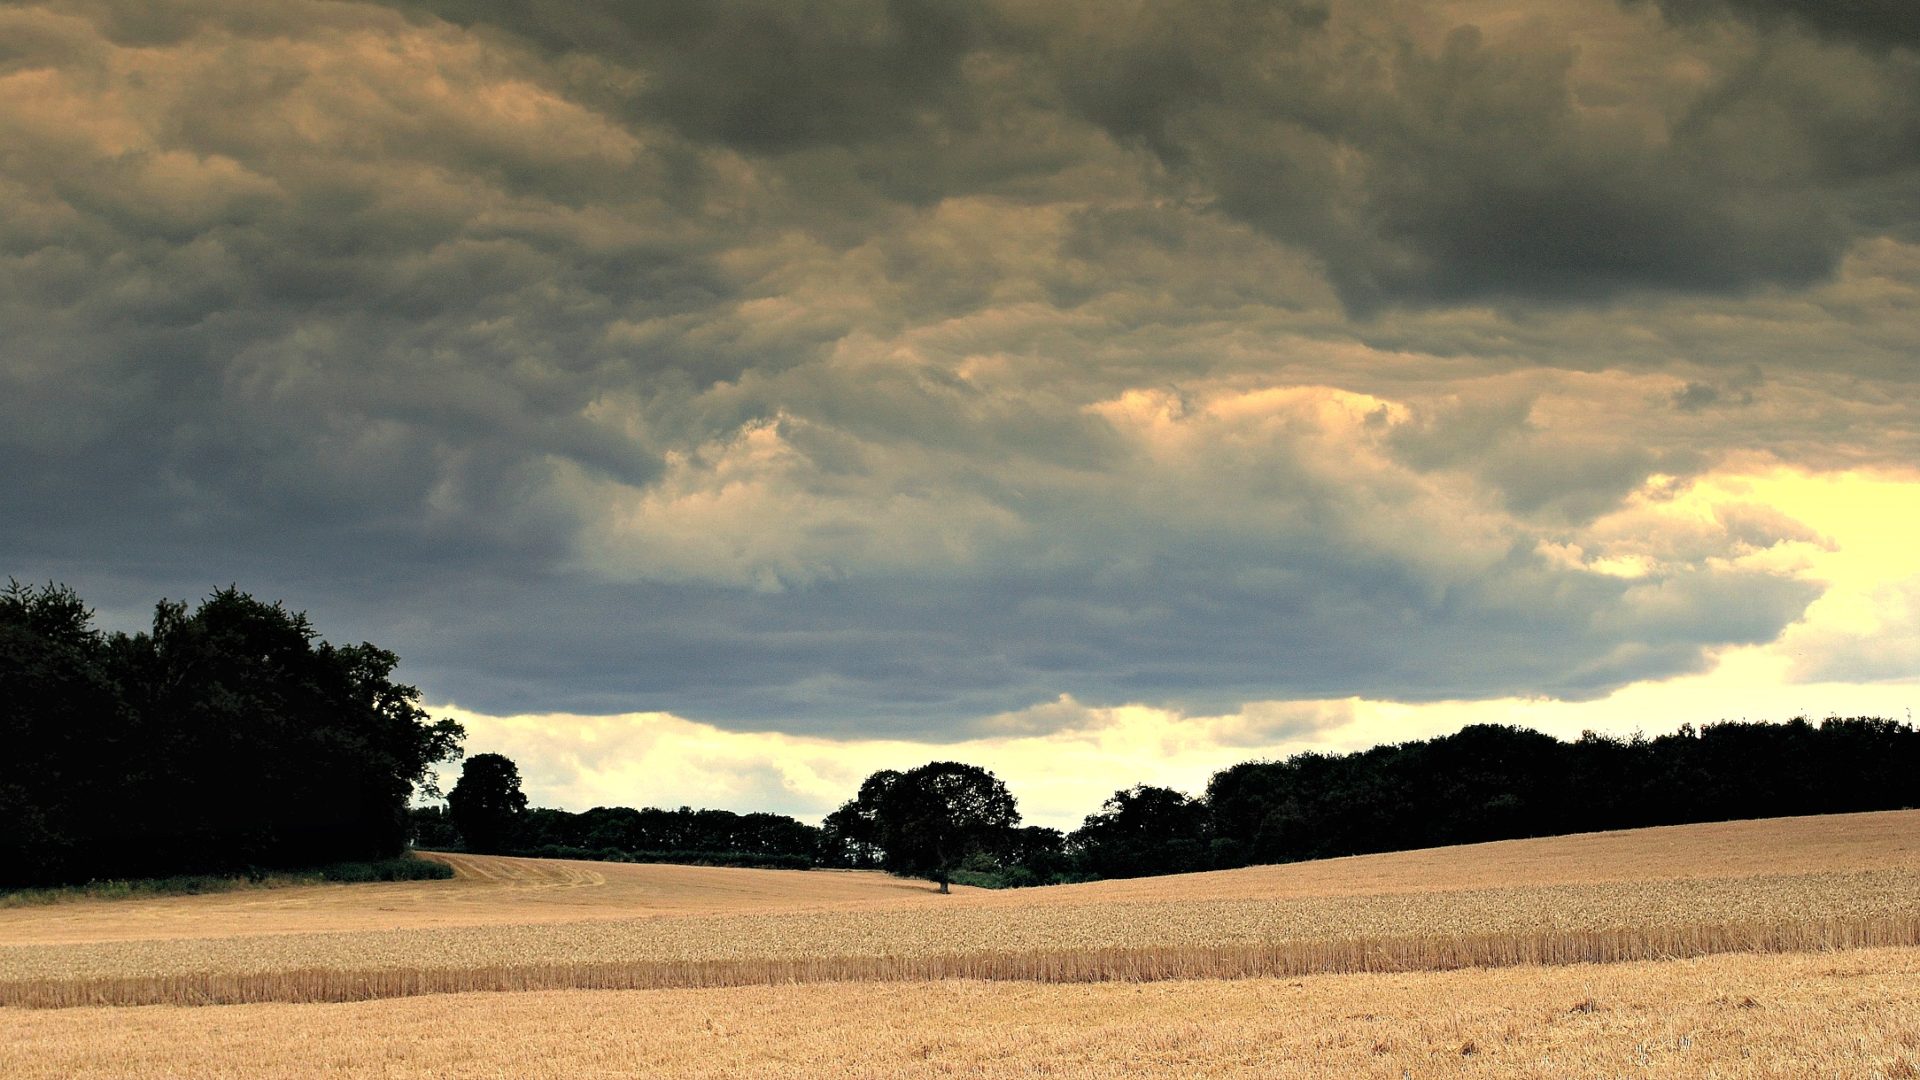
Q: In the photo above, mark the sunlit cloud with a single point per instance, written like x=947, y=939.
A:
x=1063, y=757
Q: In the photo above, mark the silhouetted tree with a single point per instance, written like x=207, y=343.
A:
x=1495, y=783
x=433, y=829
x=1036, y=855
x=487, y=802
x=1239, y=798
x=62, y=736
x=223, y=739
x=1489, y=782
x=1144, y=830
x=851, y=834
x=933, y=817
x=307, y=750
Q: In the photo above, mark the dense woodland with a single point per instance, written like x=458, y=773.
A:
x=227, y=739
x=1488, y=782
x=232, y=738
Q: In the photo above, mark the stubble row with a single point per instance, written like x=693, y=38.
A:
x=1114, y=941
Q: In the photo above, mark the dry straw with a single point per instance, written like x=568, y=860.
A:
x=1137, y=964
x=1834, y=883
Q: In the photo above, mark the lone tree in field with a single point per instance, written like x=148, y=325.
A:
x=934, y=816
x=487, y=802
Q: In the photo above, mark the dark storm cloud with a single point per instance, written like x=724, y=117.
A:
x=289, y=334
x=1422, y=159
x=1432, y=163
x=762, y=74
x=1737, y=391
x=909, y=657
x=897, y=364
x=1537, y=473
x=1881, y=24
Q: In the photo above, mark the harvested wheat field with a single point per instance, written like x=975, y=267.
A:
x=1854, y=1015
x=488, y=891
x=1844, y=881
x=497, y=891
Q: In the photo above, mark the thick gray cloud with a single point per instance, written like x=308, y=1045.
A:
x=893, y=365
x=907, y=658
x=1884, y=24
x=761, y=74
x=1429, y=160
x=1421, y=157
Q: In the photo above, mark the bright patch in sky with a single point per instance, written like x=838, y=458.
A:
x=1062, y=758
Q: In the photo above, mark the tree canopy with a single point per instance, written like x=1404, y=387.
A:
x=1492, y=782
x=486, y=802
x=855, y=829
x=1144, y=830
x=223, y=739
x=932, y=818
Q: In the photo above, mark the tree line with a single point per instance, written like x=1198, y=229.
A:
x=1485, y=782
x=487, y=812
x=1491, y=782
x=944, y=820
x=233, y=738
x=223, y=740
x=953, y=822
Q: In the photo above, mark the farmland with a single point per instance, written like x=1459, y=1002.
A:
x=1784, y=885
x=1853, y=1015
x=1341, y=957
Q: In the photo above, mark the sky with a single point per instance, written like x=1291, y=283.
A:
x=714, y=402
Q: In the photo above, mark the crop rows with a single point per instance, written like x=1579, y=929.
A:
x=1109, y=941
x=1787, y=1016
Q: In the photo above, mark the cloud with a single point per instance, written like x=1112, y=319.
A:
x=1421, y=153
x=1882, y=24
x=1068, y=757
x=1872, y=637
x=1230, y=545
x=756, y=73
x=881, y=368
x=1425, y=158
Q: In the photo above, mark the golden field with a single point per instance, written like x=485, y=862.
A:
x=1853, y=1015
x=1742, y=950
x=1767, y=886
x=494, y=891
x=489, y=891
